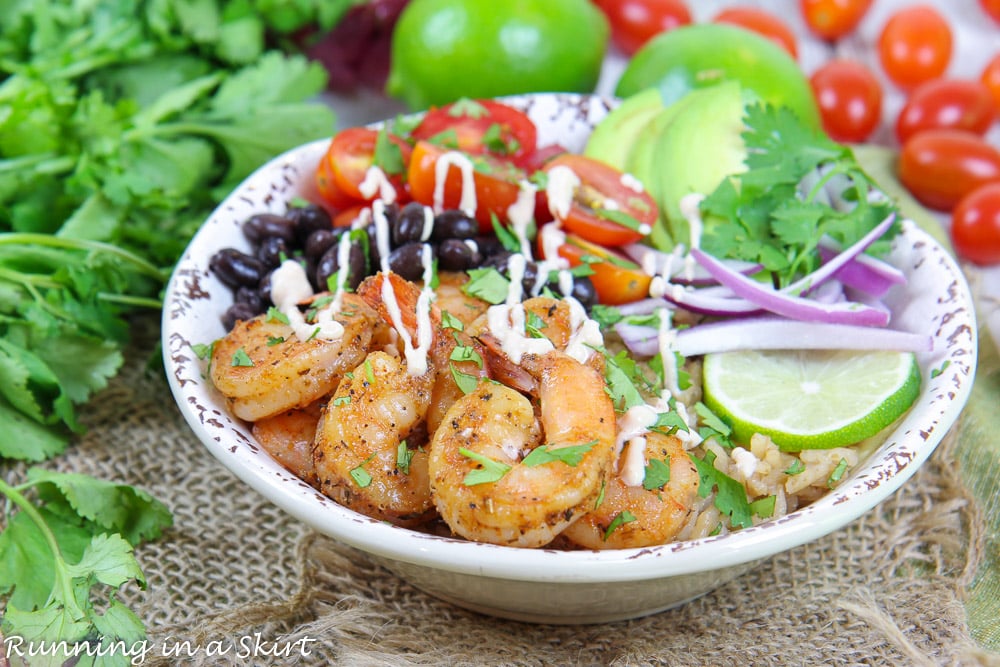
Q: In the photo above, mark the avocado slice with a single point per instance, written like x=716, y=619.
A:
x=700, y=146
x=615, y=136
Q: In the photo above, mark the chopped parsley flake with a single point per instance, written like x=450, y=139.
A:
x=466, y=353
x=797, y=467
x=620, y=519
x=388, y=156
x=764, y=507
x=657, y=475
x=837, y=473
x=938, y=371
x=403, y=458
x=465, y=381
x=275, y=315
x=369, y=373
x=360, y=475
x=487, y=284
x=506, y=237
x=275, y=340
x=342, y=400
x=241, y=358
x=449, y=321
x=491, y=471
x=571, y=455
x=203, y=351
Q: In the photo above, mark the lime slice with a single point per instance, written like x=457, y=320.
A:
x=810, y=399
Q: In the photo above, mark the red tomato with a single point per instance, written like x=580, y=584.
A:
x=975, y=225
x=327, y=187
x=940, y=167
x=616, y=278
x=849, y=98
x=991, y=79
x=962, y=105
x=915, y=45
x=496, y=185
x=991, y=7
x=602, y=198
x=347, y=216
x=352, y=152
x=478, y=127
x=761, y=22
x=832, y=19
x=635, y=22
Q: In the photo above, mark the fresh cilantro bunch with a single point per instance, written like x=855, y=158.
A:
x=762, y=214
x=63, y=556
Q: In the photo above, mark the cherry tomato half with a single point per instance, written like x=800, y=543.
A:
x=480, y=127
x=327, y=187
x=975, y=225
x=616, y=278
x=761, y=22
x=849, y=97
x=940, y=167
x=635, y=22
x=832, y=19
x=604, y=208
x=991, y=79
x=915, y=45
x=991, y=7
x=353, y=151
x=496, y=183
x=955, y=103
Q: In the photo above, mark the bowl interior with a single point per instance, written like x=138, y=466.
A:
x=936, y=301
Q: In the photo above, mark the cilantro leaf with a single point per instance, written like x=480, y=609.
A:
x=570, y=455
x=487, y=284
x=730, y=497
x=491, y=471
x=657, y=475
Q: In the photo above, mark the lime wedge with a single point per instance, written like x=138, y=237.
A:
x=810, y=399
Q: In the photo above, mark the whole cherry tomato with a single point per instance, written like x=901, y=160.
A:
x=761, y=22
x=991, y=79
x=915, y=45
x=955, y=103
x=849, y=98
x=616, y=278
x=635, y=22
x=991, y=7
x=975, y=225
x=939, y=167
x=832, y=19
x=603, y=208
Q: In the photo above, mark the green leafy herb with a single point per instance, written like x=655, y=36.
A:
x=241, y=358
x=506, y=237
x=669, y=423
x=487, y=284
x=275, y=315
x=622, y=375
x=275, y=340
x=837, y=473
x=403, y=458
x=369, y=373
x=388, y=156
x=65, y=557
x=622, y=218
x=600, y=495
x=764, y=507
x=467, y=108
x=466, y=353
x=605, y=316
x=449, y=321
x=730, y=497
x=657, y=475
x=491, y=471
x=795, y=468
x=342, y=400
x=202, y=351
x=941, y=369
x=533, y=324
x=620, y=519
x=360, y=475
x=571, y=455
x=759, y=216
x=465, y=381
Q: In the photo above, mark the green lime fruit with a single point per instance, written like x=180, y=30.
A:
x=443, y=50
x=810, y=399
x=702, y=55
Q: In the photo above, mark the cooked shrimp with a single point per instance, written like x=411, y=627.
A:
x=262, y=368
x=288, y=437
x=451, y=298
x=360, y=456
x=528, y=505
x=442, y=359
x=633, y=516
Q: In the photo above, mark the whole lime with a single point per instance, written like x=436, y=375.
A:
x=446, y=49
x=702, y=55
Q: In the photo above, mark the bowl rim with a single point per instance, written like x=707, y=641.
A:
x=910, y=443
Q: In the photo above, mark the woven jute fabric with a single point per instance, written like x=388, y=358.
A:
x=234, y=571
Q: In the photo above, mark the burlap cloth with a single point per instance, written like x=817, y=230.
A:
x=888, y=589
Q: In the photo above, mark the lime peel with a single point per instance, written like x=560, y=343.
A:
x=810, y=399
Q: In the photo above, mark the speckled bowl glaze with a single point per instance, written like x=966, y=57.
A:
x=544, y=585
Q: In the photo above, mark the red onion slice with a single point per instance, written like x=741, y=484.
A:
x=699, y=276
x=863, y=272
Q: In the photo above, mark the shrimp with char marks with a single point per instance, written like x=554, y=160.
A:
x=528, y=505
x=263, y=368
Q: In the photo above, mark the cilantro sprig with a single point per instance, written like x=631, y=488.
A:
x=763, y=215
x=67, y=552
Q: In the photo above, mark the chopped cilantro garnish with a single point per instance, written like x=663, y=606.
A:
x=506, y=237
x=388, y=156
x=730, y=497
x=621, y=518
x=275, y=315
x=600, y=495
x=621, y=374
x=941, y=369
x=764, y=507
x=275, y=340
x=797, y=467
x=669, y=423
x=465, y=381
x=317, y=305
x=657, y=475
x=360, y=475
x=487, y=284
x=403, y=458
x=571, y=456
x=533, y=324
x=466, y=353
x=342, y=400
x=445, y=139
x=622, y=218
x=713, y=426
x=449, y=321
x=467, y=108
x=369, y=372
x=491, y=471
x=605, y=316
x=837, y=473
x=315, y=332
x=241, y=358
x=203, y=351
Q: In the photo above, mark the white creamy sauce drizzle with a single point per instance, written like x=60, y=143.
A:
x=343, y=268
x=585, y=332
x=521, y=213
x=428, y=228
x=666, y=338
x=560, y=188
x=289, y=288
x=377, y=182
x=362, y=220
x=632, y=426
x=467, y=203
x=689, y=209
x=632, y=183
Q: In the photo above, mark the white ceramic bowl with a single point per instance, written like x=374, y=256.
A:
x=544, y=585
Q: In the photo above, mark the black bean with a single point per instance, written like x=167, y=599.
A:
x=457, y=255
x=262, y=225
x=454, y=224
x=307, y=219
x=329, y=264
x=584, y=292
x=409, y=224
x=406, y=260
x=489, y=246
x=236, y=268
x=271, y=251
x=249, y=296
x=497, y=260
x=529, y=278
x=236, y=312
x=320, y=241
x=264, y=289
x=374, y=259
